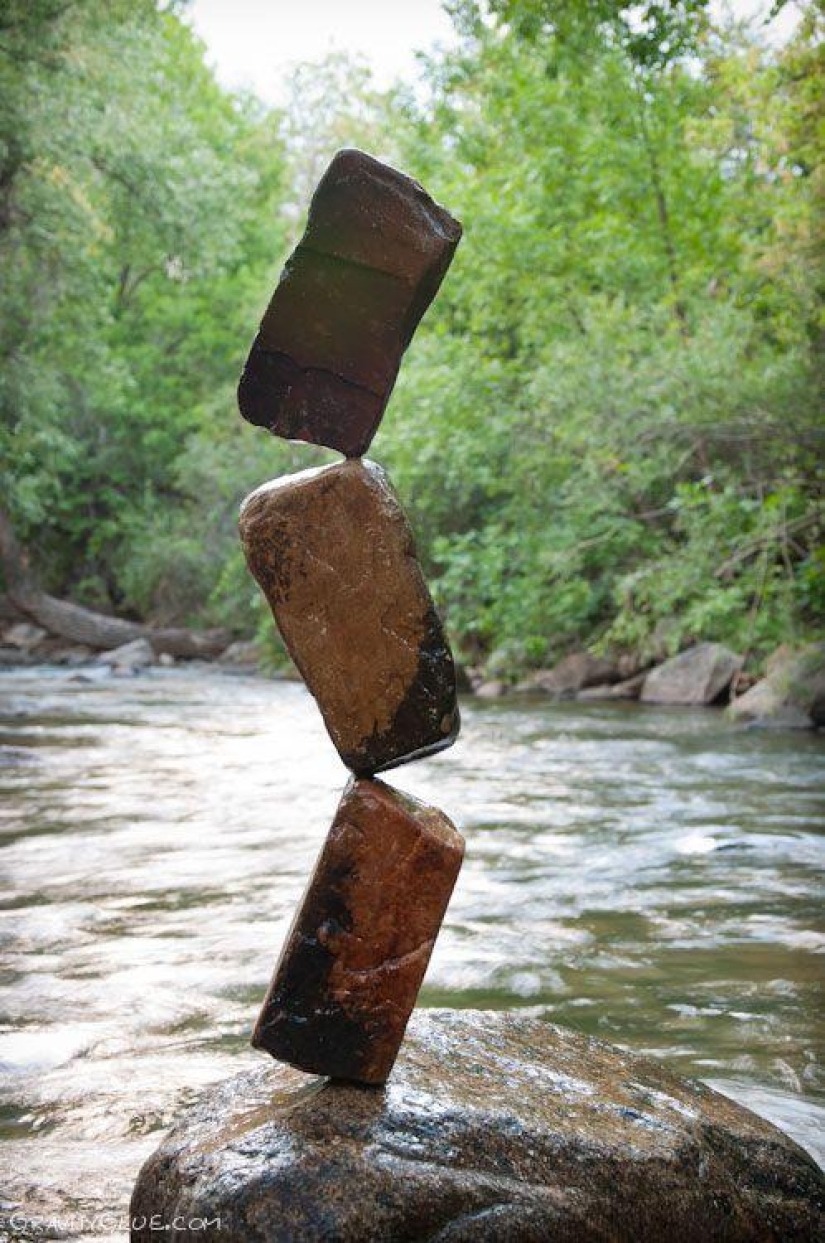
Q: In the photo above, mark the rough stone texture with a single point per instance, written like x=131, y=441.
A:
x=629, y=664
x=631, y=688
x=335, y=557
x=129, y=656
x=23, y=635
x=243, y=653
x=360, y=943
x=699, y=675
x=791, y=696
x=570, y=675
x=494, y=1128
x=374, y=253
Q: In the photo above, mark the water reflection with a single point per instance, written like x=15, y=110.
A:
x=646, y=876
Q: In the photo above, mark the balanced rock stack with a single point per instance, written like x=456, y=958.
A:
x=334, y=554
x=525, y=1132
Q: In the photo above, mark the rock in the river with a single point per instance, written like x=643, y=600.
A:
x=90, y=675
x=570, y=675
x=23, y=635
x=335, y=557
x=358, y=948
x=494, y=1128
x=491, y=689
x=631, y=688
x=242, y=654
x=56, y=651
x=699, y=675
x=129, y=657
x=792, y=695
x=374, y=253
x=13, y=656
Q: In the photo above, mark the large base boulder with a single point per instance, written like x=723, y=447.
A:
x=791, y=696
x=700, y=675
x=493, y=1127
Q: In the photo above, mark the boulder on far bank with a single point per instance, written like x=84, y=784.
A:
x=492, y=689
x=699, y=675
x=571, y=675
x=493, y=1128
x=630, y=688
x=242, y=654
x=791, y=695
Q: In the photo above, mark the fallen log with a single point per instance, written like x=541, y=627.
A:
x=81, y=625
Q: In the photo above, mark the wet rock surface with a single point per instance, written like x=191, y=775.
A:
x=493, y=1127
x=697, y=676
x=335, y=556
x=374, y=253
x=358, y=948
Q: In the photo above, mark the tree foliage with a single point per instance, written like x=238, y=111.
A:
x=621, y=423
x=139, y=212
x=610, y=421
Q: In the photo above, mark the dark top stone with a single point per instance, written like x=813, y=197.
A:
x=494, y=1128
x=374, y=253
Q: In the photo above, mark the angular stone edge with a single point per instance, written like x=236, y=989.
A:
x=351, y=1037
x=327, y=388
x=364, y=762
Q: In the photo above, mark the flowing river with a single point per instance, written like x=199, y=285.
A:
x=647, y=876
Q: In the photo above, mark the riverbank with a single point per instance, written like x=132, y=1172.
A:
x=787, y=691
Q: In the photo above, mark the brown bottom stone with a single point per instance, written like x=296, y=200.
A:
x=360, y=943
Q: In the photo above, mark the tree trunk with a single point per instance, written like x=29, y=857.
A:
x=662, y=209
x=79, y=625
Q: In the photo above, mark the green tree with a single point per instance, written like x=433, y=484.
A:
x=140, y=226
x=614, y=331
x=609, y=420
